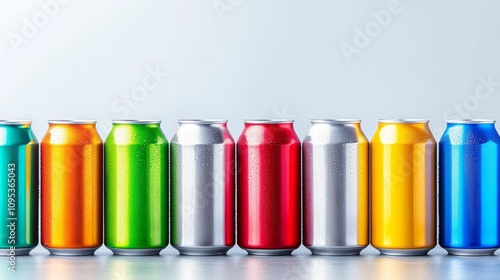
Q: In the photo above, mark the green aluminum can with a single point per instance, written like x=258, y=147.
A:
x=18, y=190
x=136, y=188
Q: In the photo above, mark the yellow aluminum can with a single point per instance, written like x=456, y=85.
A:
x=403, y=187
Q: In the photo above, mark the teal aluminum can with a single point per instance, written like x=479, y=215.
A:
x=136, y=188
x=19, y=188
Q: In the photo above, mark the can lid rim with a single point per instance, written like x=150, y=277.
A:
x=72, y=121
x=403, y=121
x=267, y=121
x=201, y=121
x=139, y=121
x=15, y=122
x=471, y=121
x=336, y=121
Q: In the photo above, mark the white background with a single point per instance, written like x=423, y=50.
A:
x=255, y=59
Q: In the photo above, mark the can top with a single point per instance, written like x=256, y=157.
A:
x=72, y=122
x=403, y=121
x=267, y=121
x=136, y=121
x=336, y=121
x=201, y=121
x=14, y=122
x=471, y=121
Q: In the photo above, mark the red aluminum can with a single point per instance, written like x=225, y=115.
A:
x=268, y=187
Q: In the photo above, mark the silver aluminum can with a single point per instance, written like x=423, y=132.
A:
x=202, y=191
x=335, y=179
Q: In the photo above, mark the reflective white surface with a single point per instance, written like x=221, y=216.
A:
x=238, y=265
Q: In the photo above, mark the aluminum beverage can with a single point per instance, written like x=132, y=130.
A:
x=403, y=187
x=19, y=190
x=335, y=186
x=268, y=153
x=71, y=188
x=469, y=188
x=202, y=191
x=136, y=188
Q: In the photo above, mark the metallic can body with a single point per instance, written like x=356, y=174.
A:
x=19, y=192
x=202, y=191
x=136, y=188
x=71, y=188
x=469, y=188
x=403, y=187
x=268, y=153
x=335, y=186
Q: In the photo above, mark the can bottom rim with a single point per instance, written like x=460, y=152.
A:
x=18, y=251
x=202, y=250
x=72, y=251
x=136, y=252
x=471, y=252
x=336, y=251
x=269, y=252
x=404, y=252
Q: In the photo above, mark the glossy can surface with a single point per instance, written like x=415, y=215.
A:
x=71, y=188
x=268, y=187
x=202, y=192
x=335, y=176
x=403, y=187
x=469, y=188
x=19, y=192
x=136, y=188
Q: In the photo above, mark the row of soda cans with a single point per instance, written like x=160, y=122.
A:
x=354, y=192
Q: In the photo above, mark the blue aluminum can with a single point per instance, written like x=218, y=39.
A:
x=469, y=188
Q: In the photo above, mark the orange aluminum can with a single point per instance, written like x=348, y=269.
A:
x=403, y=187
x=71, y=188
